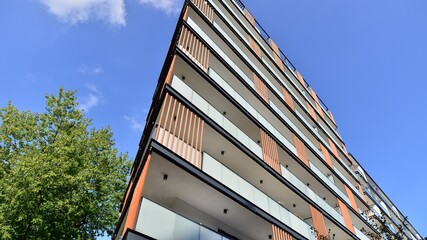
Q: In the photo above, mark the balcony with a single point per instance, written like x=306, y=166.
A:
x=248, y=141
x=161, y=223
x=233, y=181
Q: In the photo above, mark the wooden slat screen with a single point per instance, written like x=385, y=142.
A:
x=317, y=104
x=300, y=78
x=276, y=55
x=326, y=155
x=249, y=16
x=318, y=221
x=194, y=48
x=346, y=216
x=288, y=98
x=255, y=47
x=333, y=148
x=261, y=88
x=311, y=111
x=269, y=151
x=345, y=150
x=180, y=130
x=205, y=8
x=170, y=71
x=350, y=196
x=280, y=234
x=301, y=150
x=332, y=117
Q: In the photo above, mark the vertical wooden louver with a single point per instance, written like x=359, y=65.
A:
x=311, y=111
x=170, y=71
x=194, y=48
x=280, y=234
x=254, y=46
x=346, y=216
x=301, y=150
x=261, y=88
x=205, y=8
x=350, y=196
x=333, y=148
x=300, y=78
x=276, y=54
x=317, y=104
x=326, y=155
x=318, y=222
x=180, y=130
x=249, y=16
x=332, y=117
x=345, y=150
x=288, y=98
x=269, y=151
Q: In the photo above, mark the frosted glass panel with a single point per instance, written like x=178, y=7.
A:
x=211, y=167
x=246, y=190
x=230, y=179
x=274, y=208
x=155, y=221
x=185, y=229
x=261, y=200
x=206, y=234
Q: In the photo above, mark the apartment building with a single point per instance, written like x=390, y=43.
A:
x=237, y=145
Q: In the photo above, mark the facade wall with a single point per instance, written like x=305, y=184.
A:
x=239, y=146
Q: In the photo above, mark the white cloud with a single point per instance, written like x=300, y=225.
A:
x=90, y=70
x=77, y=11
x=168, y=6
x=91, y=100
x=134, y=123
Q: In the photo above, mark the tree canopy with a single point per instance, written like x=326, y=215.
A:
x=60, y=178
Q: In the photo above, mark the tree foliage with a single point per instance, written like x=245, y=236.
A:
x=384, y=230
x=59, y=177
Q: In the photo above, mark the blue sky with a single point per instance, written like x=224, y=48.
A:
x=366, y=59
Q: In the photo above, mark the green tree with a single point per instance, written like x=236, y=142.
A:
x=59, y=177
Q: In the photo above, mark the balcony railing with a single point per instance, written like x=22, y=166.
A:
x=312, y=195
x=285, y=60
x=152, y=219
x=233, y=181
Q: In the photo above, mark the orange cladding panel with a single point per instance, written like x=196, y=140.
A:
x=332, y=117
x=261, y=88
x=280, y=234
x=249, y=16
x=132, y=213
x=255, y=47
x=346, y=216
x=345, y=150
x=351, y=198
x=300, y=78
x=301, y=150
x=333, y=148
x=205, y=8
x=318, y=221
x=288, y=98
x=194, y=48
x=169, y=76
x=311, y=111
x=319, y=110
x=269, y=151
x=180, y=130
x=276, y=54
x=326, y=155
x=313, y=93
